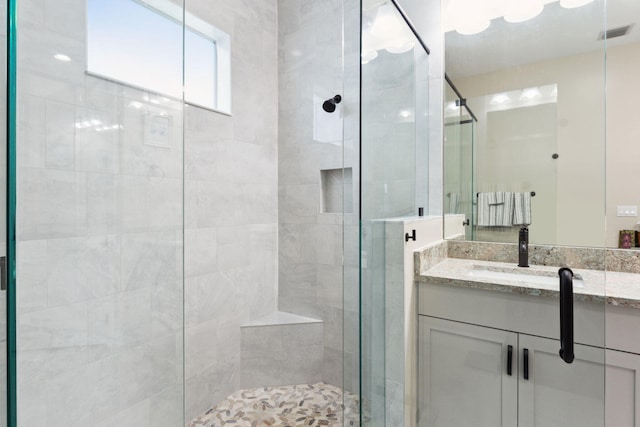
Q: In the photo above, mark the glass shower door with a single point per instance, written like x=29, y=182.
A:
x=7, y=326
x=99, y=229
x=394, y=154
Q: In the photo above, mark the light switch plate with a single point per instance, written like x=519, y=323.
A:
x=627, y=211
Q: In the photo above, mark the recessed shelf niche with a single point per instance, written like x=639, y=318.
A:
x=337, y=187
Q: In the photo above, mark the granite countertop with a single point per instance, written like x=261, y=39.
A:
x=616, y=288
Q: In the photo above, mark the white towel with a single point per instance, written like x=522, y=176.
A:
x=497, y=198
x=495, y=209
x=483, y=209
x=504, y=219
x=522, y=209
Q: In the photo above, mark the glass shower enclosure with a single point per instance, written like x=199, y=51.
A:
x=182, y=212
x=394, y=159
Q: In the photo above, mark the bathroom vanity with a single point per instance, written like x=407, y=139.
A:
x=489, y=335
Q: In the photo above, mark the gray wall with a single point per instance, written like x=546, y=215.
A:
x=231, y=204
x=99, y=238
x=100, y=300
x=310, y=241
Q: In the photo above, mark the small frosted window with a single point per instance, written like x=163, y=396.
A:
x=141, y=44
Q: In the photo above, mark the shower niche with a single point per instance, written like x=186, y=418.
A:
x=337, y=189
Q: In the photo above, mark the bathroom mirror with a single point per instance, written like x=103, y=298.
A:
x=533, y=106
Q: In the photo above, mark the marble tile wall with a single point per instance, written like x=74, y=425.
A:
x=312, y=69
x=374, y=326
x=99, y=238
x=101, y=213
x=274, y=355
x=395, y=328
x=231, y=205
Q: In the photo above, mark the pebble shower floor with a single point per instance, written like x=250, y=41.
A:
x=288, y=406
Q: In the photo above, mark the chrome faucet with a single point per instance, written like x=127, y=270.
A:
x=523, y=247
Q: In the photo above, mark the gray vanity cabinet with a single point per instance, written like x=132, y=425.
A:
x=464, y=375
x=463, y=351
x=622, y=389
x=465, y=379
x=557, y=393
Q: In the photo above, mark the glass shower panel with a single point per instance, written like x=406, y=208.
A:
x=394, y=158
x=351, y=228
x=99, y=229
x=268, y=195
x=4, y=300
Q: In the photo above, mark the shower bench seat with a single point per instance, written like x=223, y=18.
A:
x=281, y=349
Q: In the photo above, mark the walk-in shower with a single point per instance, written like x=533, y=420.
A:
x=185, y=249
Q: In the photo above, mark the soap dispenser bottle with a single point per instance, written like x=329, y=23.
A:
x=523, y=247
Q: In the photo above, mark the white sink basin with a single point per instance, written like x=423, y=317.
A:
x=523, y=275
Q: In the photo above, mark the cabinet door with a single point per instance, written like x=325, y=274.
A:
x=557, y=393
x=463, y=377
x=623, y=389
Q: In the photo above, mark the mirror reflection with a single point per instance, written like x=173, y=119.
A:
x=539, y=103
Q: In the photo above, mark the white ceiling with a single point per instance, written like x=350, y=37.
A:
x=555, y=33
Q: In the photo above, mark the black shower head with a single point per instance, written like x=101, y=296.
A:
x=330, y=104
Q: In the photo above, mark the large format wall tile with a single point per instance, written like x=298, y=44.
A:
x=231, y=205
x=99, y=235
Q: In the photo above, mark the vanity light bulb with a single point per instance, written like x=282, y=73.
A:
x=499, y=99
x=386, y=21
x=471, y=28
x=369, y=56
x=570, y=4
x=524, y=11
x=531, y=93
x=401, y=46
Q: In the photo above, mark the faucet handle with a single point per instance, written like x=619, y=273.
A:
x=523, y=247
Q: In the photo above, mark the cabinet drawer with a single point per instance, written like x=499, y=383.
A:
x=527, y=314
